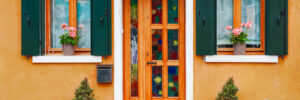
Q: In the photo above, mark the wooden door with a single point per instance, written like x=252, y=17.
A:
x=154, y=50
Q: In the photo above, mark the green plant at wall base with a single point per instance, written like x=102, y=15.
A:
x=70, y=36
x=84, y=92
x=229, y=91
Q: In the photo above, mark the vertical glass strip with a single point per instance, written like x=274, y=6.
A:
x=173, y=44
x=173, y=11
x=84, y=23
x=59, y=15
x=251, y=12
x=157, y=81
x=224, y=18
x=156, y=44
x=173, y=81
x=157, y=11
x=134, y=47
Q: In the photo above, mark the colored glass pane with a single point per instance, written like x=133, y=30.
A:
x=173, y=11
x=156, y=81
x=59, y=15
x=134, y=48
x=173, y=81
x=84, y=23
x=157, y=11
x=156, y=44
x=173, y=44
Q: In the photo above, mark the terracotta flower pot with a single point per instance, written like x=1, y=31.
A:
x=239, y=49
x=68, y=49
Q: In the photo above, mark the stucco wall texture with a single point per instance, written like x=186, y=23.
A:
x=256, y=81
x=22, y=80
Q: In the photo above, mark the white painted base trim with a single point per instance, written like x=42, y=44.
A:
x=67, y=59
x=242, y=58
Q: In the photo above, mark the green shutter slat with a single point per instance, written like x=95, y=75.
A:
x=206, y=27
x=276, y=27
x=101, y=28
x=32, y=27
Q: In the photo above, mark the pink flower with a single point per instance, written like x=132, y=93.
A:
x=64, y=26
x=236, y=32
x=249, y=22
x=228, y=27
x=240, y=30
x=72, y=34
x=243, y=24
x=248, y=25
x=72, y=29
x=80, y=26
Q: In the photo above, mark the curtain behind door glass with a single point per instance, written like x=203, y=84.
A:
x=84, y=23
x=251, y=12
x=224, y=18
x=59, y=15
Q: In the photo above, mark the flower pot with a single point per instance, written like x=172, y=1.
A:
x=239, y=49
x=68, y=49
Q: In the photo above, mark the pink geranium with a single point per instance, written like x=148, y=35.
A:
x=249, y=22
x=73, y=34
x=228, y=27
x=64, y=26
x=248, y=25
x=243, y=24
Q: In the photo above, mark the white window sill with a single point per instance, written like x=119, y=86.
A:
x=67, y=59
x=241, y=59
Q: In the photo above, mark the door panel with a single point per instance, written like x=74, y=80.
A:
x=154, y=49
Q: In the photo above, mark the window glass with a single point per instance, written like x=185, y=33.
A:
x=59, y=15
x=251, y=12
x=134, y=47
x=224, y=18
x=84, y=23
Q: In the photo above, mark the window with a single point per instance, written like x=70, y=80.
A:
x=235, y=12
x=72, y=12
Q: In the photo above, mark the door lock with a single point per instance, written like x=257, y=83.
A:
x=152, y=63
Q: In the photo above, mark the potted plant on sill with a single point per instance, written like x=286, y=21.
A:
x=69, y=39
x=239, y=37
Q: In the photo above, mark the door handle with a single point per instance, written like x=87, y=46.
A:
x=151, y=63
x=101, y=21
x=278, y=21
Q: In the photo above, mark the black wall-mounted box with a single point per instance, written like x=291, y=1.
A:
x=104, y=73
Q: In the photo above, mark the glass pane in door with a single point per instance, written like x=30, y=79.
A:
x=156, y=44
x=173, y=81
x=173, y=11
x=134, y=47
x=157, y=81
x=173, y=44
x=157, y=11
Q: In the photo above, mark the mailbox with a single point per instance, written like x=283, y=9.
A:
x=104, y=73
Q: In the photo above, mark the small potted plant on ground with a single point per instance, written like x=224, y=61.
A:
x=229, y=91
x=239, y=37
x=69, y=39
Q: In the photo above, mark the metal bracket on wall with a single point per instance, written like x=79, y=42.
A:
x=282, y=57
x=27, y=57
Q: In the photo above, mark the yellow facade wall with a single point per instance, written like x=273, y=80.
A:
x=255, y=81
x=22, y=80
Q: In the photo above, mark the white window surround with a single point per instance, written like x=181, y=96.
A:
x=241, y=59
x=67, y=59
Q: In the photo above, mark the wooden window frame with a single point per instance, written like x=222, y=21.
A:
x=72, y=23
x=237, y=13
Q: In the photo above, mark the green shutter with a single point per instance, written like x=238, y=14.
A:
x=206, y=27
x=276, y=27
x=32, y=27
x=101, y=28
